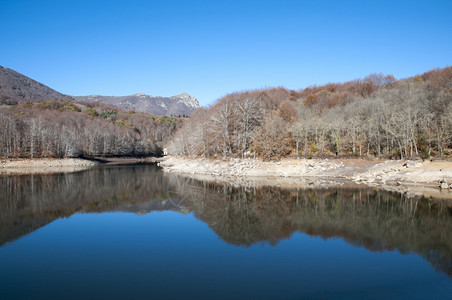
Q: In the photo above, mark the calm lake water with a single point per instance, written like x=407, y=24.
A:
x=134, y=232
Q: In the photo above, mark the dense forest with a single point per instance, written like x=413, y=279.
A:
x=61, y=128
x=377, y=116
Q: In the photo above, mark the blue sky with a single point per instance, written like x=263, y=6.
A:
x=211, y=48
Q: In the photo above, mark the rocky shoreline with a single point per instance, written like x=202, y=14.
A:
x=44, y=165
x=415, y=178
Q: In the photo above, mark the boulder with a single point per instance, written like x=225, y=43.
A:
x=412, y=164
x=444, y=186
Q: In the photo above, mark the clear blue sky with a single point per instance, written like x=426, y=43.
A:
x=211, y=48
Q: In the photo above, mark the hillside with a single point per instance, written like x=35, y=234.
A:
x=18, y=88
x=377, y=116
x=182, y=104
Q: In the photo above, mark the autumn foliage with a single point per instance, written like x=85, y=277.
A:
x=375, y=116
x=60, y=128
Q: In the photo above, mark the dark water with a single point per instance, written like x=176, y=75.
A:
x=134, y=232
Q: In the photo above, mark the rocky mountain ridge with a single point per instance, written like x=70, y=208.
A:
x=17, y=88
x=182, y=104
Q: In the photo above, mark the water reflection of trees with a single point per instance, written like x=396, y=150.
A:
x=376, y=220
x=241, y=216
x=31, y=201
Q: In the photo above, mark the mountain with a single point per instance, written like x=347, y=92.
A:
x=182, y=104
x=17, y=88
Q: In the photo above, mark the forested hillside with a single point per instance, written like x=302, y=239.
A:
x=377, y=116
x=61, y=128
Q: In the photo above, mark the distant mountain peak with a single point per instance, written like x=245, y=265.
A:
x=141, y=95
x=183, y=95
x=188, y=100
x=183, y=104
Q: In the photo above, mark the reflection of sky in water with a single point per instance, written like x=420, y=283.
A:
x=168, y=254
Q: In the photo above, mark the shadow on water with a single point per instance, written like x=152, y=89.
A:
x=376, y=220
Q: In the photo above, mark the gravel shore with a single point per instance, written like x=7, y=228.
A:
x=416, y=178
x=44, y=165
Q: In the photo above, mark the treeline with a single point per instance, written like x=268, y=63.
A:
x=61, y=128
x=376, y=116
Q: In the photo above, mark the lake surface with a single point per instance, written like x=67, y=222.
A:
x=135, y=232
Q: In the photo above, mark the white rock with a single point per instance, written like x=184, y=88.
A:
x=444, y=186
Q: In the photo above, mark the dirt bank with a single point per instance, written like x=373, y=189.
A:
x=411, y=177
x=44, y=165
